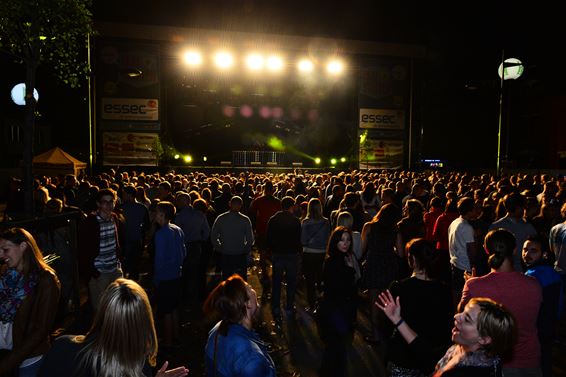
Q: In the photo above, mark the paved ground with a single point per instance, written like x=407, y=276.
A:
x=294, y=346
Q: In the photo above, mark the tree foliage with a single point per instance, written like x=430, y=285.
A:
x=50, y=32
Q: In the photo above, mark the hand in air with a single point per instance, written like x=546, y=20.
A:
x=390, y=306
x=177, y=372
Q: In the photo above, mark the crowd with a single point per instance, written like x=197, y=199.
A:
x=464, y=274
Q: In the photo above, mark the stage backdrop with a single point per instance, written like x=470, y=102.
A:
x=383, y=108
x=128, y=101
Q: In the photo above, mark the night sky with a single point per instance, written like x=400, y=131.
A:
x=459, y=88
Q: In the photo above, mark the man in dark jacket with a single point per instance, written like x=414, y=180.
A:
x=284, y=240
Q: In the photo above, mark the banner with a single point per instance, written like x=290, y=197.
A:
x=129, y=109
x=129, y=148
x=377, y=153
x=382, y=119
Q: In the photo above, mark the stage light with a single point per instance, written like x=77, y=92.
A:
x=274, y=63
x=188, y=158
x=305, y=66
x=192, y=58
x=223, y=60
x=335, y=67
x=317, y=160
x=333, y=161
x=343, y=159
x=205, y=158
x=176, y=157
x=254, y=62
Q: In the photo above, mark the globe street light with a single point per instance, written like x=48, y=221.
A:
x=509, y=69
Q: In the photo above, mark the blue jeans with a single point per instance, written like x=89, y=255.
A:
x=288, y=263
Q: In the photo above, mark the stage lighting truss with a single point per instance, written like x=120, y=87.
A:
x=257, y=62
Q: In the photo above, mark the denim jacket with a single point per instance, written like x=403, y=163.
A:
x=240, y=353
x=315, y=233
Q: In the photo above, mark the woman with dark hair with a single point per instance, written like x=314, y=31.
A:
x=427, y=308
x=521, y=294
x=337, y=310
x=120, y=342
x=29, y=297
x=381, y=244
x=483, y=333
x=370, y=200
x=233, y=348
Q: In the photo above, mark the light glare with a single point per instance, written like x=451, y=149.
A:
x=193, y=58
x=275, y=63
x=223, y=60
x=306, y=66
x=335, y=67
x=254, y=62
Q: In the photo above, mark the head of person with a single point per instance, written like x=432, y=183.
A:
x=414, y=210
x=340, y=242
x=164, y=189
x=165, y=212
x=268, y=187
x=387, y=215
x=422, y=256
x=182, y=199
x=345, y=219
x=236, y=203
x=288, y=203
x=500, y=245
x=466, y=207
x=314, y=209
x=535, y=251
x=105, y=201
x=129, y=193
x=122, y=336
x=234, y=301
x=19, y=250
x=485, y=325
x=515, y=204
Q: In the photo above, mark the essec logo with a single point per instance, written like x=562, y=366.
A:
x=376, y=118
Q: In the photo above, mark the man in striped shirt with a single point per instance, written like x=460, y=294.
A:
x=99, y=246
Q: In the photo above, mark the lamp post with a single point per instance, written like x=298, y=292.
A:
x=509, y=69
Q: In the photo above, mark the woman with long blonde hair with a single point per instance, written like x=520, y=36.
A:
x=121, y=341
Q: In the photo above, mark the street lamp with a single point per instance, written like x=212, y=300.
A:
x=509, y=69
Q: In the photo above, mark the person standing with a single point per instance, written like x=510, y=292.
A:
x=514, y=222
x=337, y=311
x=170, y=253
x=137, y=222
x=521, y=294
x=232, y=238
x=284, y=240
x=99, y=246
x=558, y=245
x=261, y=210
x=462, y=246
x=197, y=232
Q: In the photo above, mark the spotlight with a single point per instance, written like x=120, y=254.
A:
x=254, y=62
x=188, y=158
x=343, y=159
x=333, y=161
x=335, y=67
x=223, y=60
x=205, y=158
x=192, y=58
x=317, y=160
x=305, y=65
x=274, y=63
x=176, y=157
